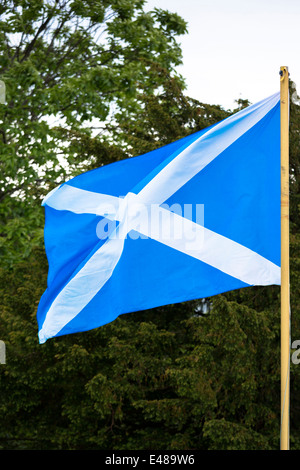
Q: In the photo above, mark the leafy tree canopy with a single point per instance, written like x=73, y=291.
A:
x=199, y=375
x=71, y=64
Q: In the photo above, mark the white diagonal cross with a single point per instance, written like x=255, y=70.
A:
x=216, y=250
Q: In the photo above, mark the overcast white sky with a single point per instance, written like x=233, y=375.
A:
x=234, y=48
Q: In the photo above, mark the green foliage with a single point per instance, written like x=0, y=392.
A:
x=176, y=377
x=167, y=116
x=168, y=378
x=70, y=66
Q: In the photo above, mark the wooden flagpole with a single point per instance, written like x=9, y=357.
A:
x=285, y=275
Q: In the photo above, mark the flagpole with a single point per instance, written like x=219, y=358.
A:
x=285, y=275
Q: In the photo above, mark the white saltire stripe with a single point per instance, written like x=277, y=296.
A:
x=196, y=241
x=205, y=245
x=204, y=150
x=226, y=255
x=81, y=201
x=190, y=238
x=81, y=289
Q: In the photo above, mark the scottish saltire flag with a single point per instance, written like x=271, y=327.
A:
x=190, y=220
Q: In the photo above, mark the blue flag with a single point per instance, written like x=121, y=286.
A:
x=195, y=218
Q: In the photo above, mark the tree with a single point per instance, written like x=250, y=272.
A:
x=176, y=377
x=74, y=63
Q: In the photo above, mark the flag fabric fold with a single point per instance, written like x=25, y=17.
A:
x=192, y=219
